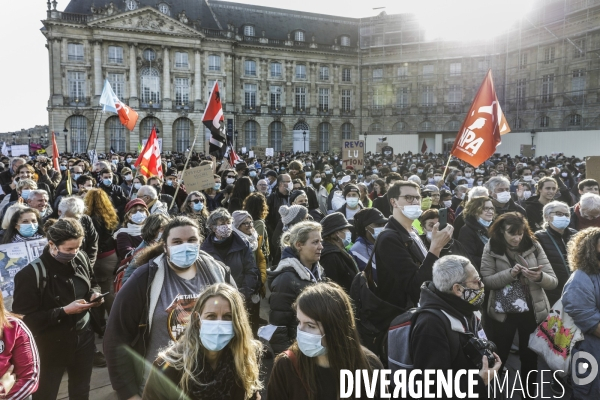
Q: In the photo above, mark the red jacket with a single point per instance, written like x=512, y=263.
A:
x=17, y=347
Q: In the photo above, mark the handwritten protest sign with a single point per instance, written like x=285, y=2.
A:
x=269, y=152
x=13, y=258
x=259, y=151
x=353, y=152
x=199, y=178
x=592, y=167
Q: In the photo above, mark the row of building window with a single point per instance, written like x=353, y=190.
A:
x=118, y=135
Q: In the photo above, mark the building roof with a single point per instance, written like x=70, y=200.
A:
x=275, y=22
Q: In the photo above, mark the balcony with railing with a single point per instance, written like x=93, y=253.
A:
x=250, y=109
x=400, y=109
x=451, y=108
x=301, y=110
x=77, y=101
x=150, y=104
x=276, y=110
x=377, y=111
x=347, y=113
x=183, y=106
x=323, y=110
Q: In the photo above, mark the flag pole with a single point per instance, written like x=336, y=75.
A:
x=93, y=125
x=97, y=135
x=447, y=164
x=184, y=168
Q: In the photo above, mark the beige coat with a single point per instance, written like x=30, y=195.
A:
x=495, y=273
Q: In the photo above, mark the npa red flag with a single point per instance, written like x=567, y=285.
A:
x=424, y=147
x=149, y=162
x=110, y=102
x=212, y=118
x=55, y=160
x=480, y=134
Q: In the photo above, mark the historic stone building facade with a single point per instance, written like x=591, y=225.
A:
x=283, y=73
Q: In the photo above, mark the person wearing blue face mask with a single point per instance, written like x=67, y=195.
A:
x=325, y=332
x=195, y=208
x=219, y=335
x=115, y=192
x=339, y=265
x=172, y=275
x=554, y=238
x=479, y=214
x=23, y=226
x=368, y=224
x=352, y=205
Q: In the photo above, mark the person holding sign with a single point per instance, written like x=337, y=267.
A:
x=57, y=309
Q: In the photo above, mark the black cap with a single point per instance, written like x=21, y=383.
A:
x=368, y=216
x=271, y=173
x=351, y=188
x=241, y=166
x=334, y=222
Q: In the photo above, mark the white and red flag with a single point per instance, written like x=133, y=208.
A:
x=212, y=119
x=111, y=102
x=480, y=133
x=149, y=162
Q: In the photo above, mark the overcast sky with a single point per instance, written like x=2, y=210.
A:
x=24, y=69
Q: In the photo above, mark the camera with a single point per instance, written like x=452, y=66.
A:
x=475, y=348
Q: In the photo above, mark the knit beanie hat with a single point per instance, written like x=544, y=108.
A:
x=239, y=217
x=293, y=214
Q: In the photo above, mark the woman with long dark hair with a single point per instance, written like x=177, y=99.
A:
x=217, y=356
x=515, y=269
x=23, y=226
x=326, y=343
x=242, y=188
x=195, y=207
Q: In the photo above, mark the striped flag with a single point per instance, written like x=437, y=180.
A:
x=111, y=102
x=149, y=161
x=212, y=119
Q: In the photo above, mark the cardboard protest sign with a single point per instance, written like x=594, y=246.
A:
x=199, y=178
x=592, y=168
x=353, y=152
x=379, y=146
x=259, y=151
x=13, y=258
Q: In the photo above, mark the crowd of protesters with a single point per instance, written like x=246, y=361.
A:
x=172, y=280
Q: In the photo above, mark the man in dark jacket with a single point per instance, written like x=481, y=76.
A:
x=383, y=203
x=546, y=191
x=114, y=192
x=338, y=264
x=437, y=340
x=403, y=261
x=279, y=197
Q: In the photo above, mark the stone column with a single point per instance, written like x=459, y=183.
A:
x=56, y=79
x=97, y=68
x=197, y=80
x=166, y=95
x=334, y=100
x=133, y=95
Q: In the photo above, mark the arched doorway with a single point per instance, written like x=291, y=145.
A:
x=301, y=141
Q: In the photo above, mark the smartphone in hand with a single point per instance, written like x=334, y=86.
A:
x=97, y=299
x=521, y=261
x=443, y=218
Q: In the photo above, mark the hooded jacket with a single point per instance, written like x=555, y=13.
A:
x=286, y=282
x=473, y=236
x=433, y=349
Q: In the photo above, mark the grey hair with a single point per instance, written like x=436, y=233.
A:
x=464, y=188
x=478, y=191
x=550, y=207
x=494, y=181
x=147, y=190
x=27, y=182
x=15, y=160
x=216, y=215
x=36, y=192
x=449, y=270
x=589, y=201
x=103, y=165
x=8, y=214
x=432, y=188
x=415, y=179
x=73, y=205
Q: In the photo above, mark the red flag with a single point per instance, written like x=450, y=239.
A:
x=212, y=118
x=149, y=161
x=233, y=157
x=424, y=147
x=480, y=134
x=55, y=160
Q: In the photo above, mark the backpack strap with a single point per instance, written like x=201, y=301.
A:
x=455, y=346
x=292, y=356
x=41, y=276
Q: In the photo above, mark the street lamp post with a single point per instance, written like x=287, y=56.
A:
x=304, y=140
x=533, y=132
x=235, y=135
x=66, y=131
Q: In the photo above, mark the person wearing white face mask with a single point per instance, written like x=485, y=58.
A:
x=403, y=261
x=368, y=225
x=327, y=341
x=129, y=236
x=230, y=248
x=352, y=206
x=127, y=184
x=218, y=335
x=499, y=189
x=338, y=264
x=171, y=277
x=554, y=238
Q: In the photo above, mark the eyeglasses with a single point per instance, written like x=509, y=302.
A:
x=196, y=201
x=410, y=198
x=246, y=224
x=560, y=214
x=477, y=281
x=489, y=209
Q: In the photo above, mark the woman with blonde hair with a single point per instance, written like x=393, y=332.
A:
x=104, y=218
x=326, y=343
x=217, y=356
